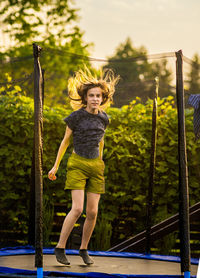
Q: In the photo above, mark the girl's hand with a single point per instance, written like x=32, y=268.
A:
x=52, y=174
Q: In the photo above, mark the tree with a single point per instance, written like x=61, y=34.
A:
x=137, y=74
x=52, y=24
x=194, y=75
x=161, y=70
x=50, y=21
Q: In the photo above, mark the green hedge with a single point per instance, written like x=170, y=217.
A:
x=126, y=154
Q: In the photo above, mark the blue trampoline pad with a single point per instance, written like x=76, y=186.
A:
x=20, y=262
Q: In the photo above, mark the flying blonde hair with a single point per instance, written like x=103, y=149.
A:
x=83, y=81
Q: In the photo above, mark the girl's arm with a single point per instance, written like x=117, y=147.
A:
x=61, y=151
x=101, y=145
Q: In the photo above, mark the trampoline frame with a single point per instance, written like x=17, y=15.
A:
x=29, y=250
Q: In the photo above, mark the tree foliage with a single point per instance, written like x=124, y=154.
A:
x=137, y=73
x=52, y=25
x=48, y=21
x=194, y=76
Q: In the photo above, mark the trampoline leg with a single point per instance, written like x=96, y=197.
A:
x=187, y=274
x=40, y=272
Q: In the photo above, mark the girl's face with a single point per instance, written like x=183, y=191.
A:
x=94, y=98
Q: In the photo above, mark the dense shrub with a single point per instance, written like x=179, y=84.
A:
x=16, y=149
x=126, y=154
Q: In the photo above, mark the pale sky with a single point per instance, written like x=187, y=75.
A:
x=159, y=25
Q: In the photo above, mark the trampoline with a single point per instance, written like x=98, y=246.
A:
x=19, y=262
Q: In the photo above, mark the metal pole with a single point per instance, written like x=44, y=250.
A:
x=183, y=171
x=38, y=127
x=152, y=170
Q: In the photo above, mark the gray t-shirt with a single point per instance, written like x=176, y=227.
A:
x=88, y=130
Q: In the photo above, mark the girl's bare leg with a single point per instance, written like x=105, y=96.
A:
x=90, y=221
x=72, y=217
x=68, y=224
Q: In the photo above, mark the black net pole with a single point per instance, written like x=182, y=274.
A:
x=151, y=171
x=31, y=223
x=43, y=72
x=31, y=226
x=38, y=119
x=183, y=171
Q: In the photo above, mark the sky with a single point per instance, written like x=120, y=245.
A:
x=159, y=25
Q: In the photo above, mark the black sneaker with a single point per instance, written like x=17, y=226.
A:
x=86, y=258
x=60, y=256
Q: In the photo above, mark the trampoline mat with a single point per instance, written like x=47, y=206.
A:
x=109, y=265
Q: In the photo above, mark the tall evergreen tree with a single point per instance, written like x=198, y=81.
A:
x=194, y=76
x=137, y=73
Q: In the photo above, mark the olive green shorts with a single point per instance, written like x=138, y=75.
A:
x=84, y=173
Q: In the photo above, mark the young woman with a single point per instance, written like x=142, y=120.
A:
x=85, y=168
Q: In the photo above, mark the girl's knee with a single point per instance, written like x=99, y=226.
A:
x=77, y=211
x=91, y=214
